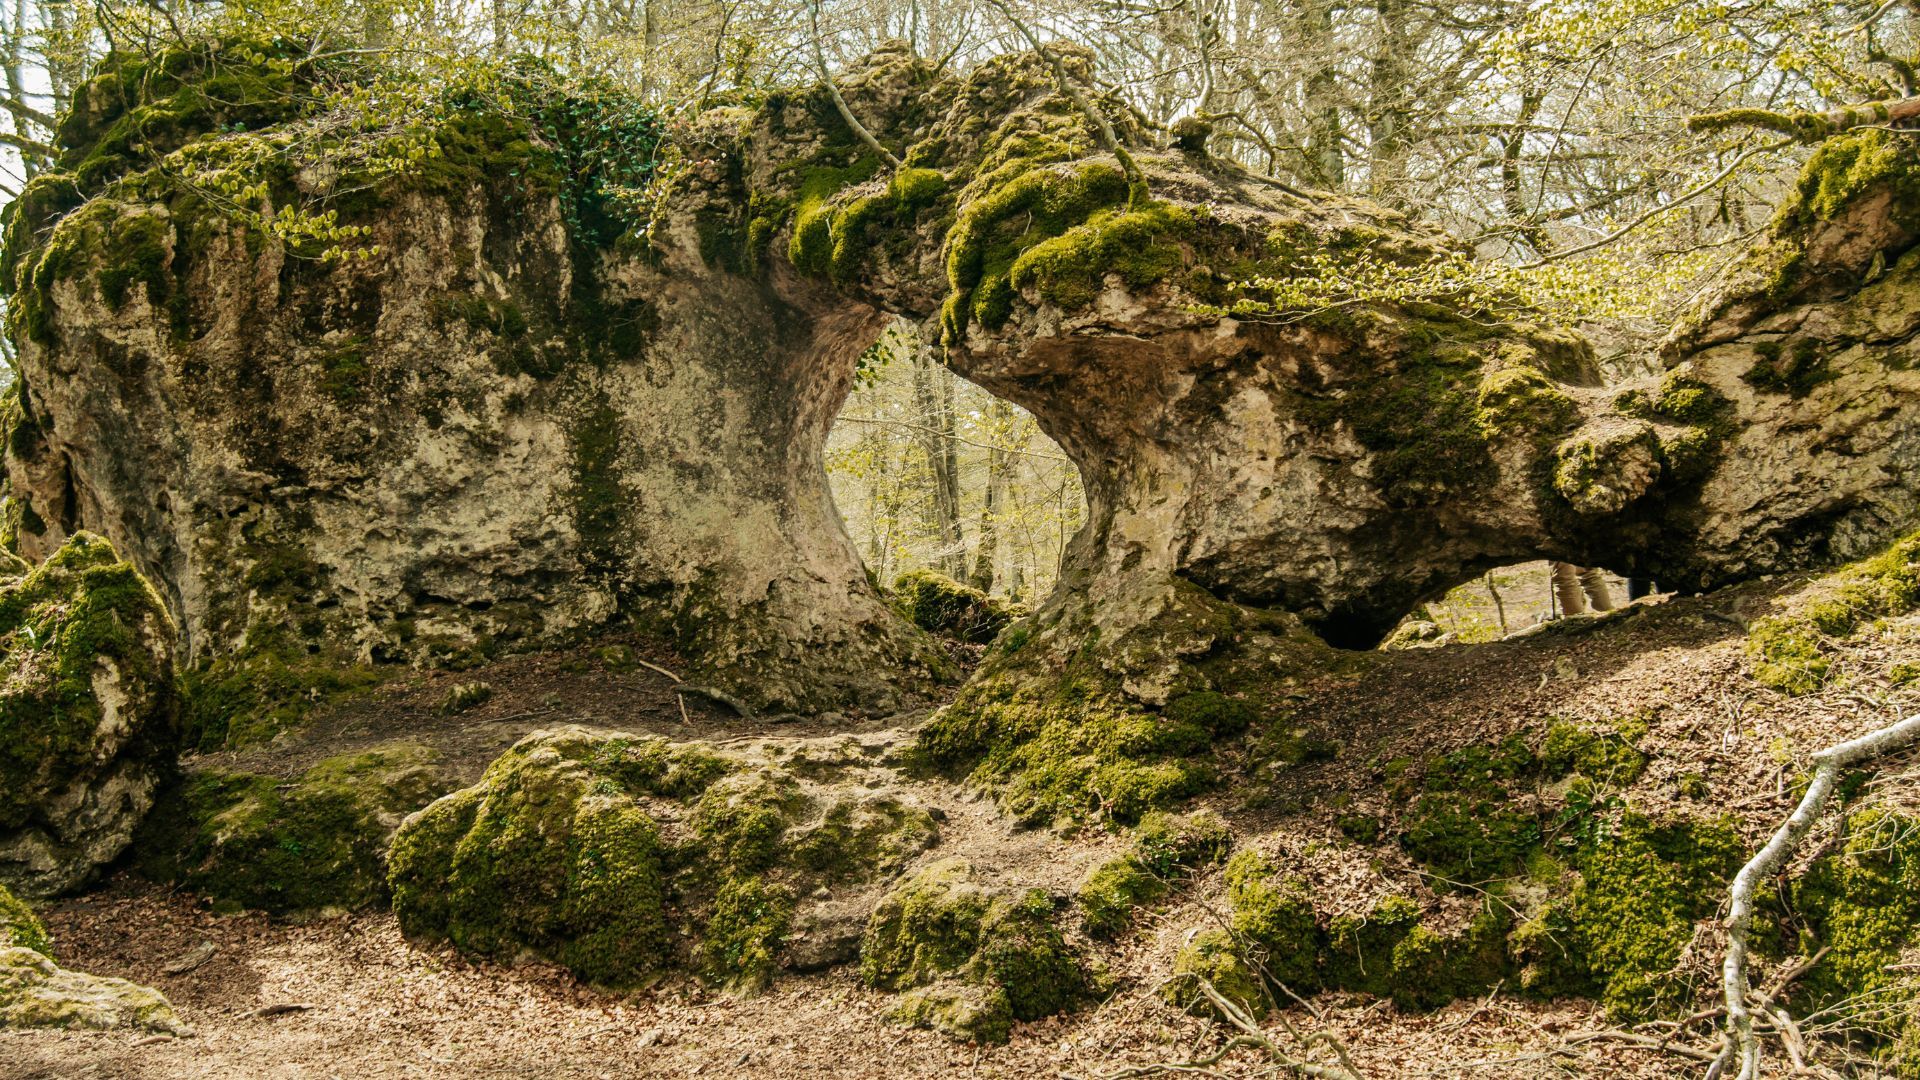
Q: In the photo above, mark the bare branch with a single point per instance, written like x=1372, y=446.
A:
x=1828, y=764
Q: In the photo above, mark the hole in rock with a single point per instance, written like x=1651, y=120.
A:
x=1511, y=599
x=931, y=472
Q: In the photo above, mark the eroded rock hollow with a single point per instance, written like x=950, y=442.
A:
x=520, y=415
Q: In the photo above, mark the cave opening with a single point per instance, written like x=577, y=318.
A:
x=1514, y=599
x=929, y=471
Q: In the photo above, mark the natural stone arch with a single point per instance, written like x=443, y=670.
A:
x=636, y=430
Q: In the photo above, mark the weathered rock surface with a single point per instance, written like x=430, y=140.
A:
x=514, y=420
x=37, y=993
x=505, y=427
x=622, y=856
x=87, y=714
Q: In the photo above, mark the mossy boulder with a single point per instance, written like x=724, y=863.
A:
x=19, y=926
x=624, y=856
x=947, y=923
x=940, y=605
x=966, y=1011
x=1166, y=850
x=312, y=843
x=88, y=713
x=37, y=993
x=1218, y=960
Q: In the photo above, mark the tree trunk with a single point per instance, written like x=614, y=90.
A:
x=933, y=399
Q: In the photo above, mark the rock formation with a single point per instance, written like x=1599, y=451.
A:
x=87, y=714
x=522, y=414
x=623, y=856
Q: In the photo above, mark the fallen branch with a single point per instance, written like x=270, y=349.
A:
x=840, y=103
x=686, y=689
x=1827, y=767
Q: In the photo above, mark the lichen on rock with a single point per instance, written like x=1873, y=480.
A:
x=37, y=993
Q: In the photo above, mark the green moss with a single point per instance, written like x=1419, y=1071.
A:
x=926, y=927
x=1463, y=823
x=1016, y=206
x=1431, y=968
x=246, y=699
x=1214, y=957
x=811, y=248
x=1846, y=167
x=1641, y=890
x=1058, y=736
x=20, y=927
x=1523, y=401
x=1419, y=415
x=313, y=843
x=1166, y=849
x=536, y=856
x=1792, y=369
x=1109, y=895
x=748, y=922
x=59, y=624
x=941, y=605
x=742, y=819
x=970, y=1013
x=914, y=190
x=1862, y=904
x=1276, y=916
x=1220, y=716
x=942, y=924
x=1023, y=952
x=855, y=843
x=1607, y=756
x=1788, y=651
x=1139, y=245
x=600, y=499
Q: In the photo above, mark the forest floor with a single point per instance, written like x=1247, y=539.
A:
x=371, y=1005
x=347, y=996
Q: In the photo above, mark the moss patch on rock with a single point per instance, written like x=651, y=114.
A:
x=938, y=604
x=37, y=993
x=20, y=927
x=1166, y=850
x=317, y=842
x=945, y=924
x=88, y=712
x=622, y=857
x=1061, y=728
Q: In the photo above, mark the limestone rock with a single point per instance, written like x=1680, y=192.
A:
x=972, y=954
x=87, y=714
x=622, y=856
x=37, y=993
x=517, y=419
